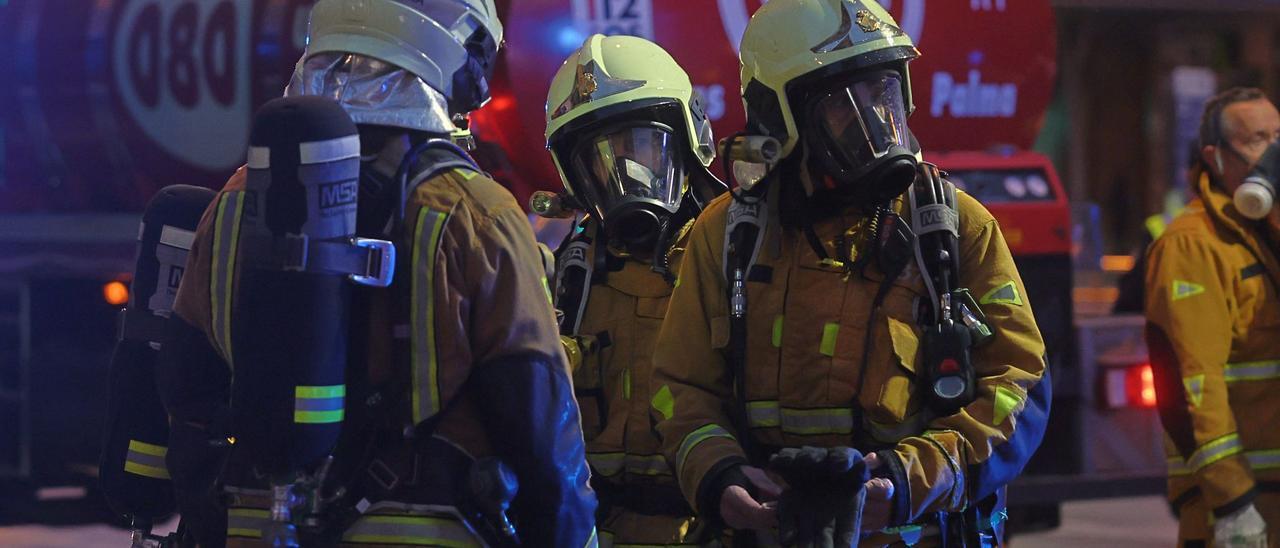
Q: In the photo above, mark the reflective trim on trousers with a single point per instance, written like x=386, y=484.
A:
x=411, y=530
x=422, y=338
x=247, y=522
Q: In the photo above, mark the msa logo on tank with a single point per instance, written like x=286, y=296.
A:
x=181, y=69
x=342, y=193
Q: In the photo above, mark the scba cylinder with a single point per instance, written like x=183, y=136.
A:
x=292, y=301
x=134, y=477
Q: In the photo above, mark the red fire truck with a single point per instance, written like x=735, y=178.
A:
x=107, y=101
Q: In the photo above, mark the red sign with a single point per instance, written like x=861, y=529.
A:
x=109, y=100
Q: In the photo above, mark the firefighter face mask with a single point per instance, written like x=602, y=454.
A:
x=631, y=178
x=857, y=133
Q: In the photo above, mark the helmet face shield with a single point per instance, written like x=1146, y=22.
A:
x=865, y=120
x=637, y=164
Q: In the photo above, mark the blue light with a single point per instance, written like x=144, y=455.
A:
x=569, y=38
x=976, y=57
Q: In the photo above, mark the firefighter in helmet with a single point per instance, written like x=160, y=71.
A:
x=846, y=323
x=457, y=362
x=632, y=143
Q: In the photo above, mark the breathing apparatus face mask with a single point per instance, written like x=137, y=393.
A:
x=631, y=178
x=857, y=134
x=1257, y=195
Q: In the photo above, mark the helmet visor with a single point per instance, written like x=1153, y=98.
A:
x=864, y=120
x=630, y=163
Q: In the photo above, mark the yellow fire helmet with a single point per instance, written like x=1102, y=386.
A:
x=450, y=44
x=833, y=75
x=629, y=134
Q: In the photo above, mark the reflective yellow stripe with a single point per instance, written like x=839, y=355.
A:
x=1215, y=451
x=836, y=420
x=647, y=465
x=147, y=448
x=1155, y=226
x=606, y=464
x=626, y=384
x=242, y=532
x=763, y=414
x=696, y=437
x=664, y=402
x=831, y=420
x=145, y=470
x=426, y=245
x=318, y=404
x=226, y=237
x=247, y=522
x=318, y=417
x=1252, y=371
x=1263, y=460
x=777, y=331
x=320, y=392
x=145, y=459
x=829, y=334
x=410, y=530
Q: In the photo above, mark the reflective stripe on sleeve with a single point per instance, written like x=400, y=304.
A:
x=226, y=238
x=1215, y=451
x=426, y=246
x=696, y=437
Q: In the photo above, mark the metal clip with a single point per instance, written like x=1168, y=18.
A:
x=297, y=250
x=382, y=263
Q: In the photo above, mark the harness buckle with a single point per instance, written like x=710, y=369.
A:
x=381, y=268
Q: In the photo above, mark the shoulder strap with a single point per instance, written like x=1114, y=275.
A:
x=744, y=228
x=575, y=266
x=424, y=162
x=935, y=219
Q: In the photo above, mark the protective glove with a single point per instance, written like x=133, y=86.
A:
x=1242, y=529
x=822, y=506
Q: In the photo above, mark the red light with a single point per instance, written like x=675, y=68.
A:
x=115, y=293
x=502, y=102
x=1140, y=386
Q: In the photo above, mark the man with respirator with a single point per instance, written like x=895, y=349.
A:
x=632, y=143
x=411, y=398
x=849, y=336
x=1213, y=319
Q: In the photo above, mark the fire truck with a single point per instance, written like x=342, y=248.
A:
x=106, y=101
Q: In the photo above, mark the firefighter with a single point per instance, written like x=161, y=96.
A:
x=456, y=364
x=1213, y=316
x=632, y=143
x=822, y=327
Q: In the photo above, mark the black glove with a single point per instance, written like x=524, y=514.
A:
x=822, y=506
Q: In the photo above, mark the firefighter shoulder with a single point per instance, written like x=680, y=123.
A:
x=1212, y=322
x=623, y=115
